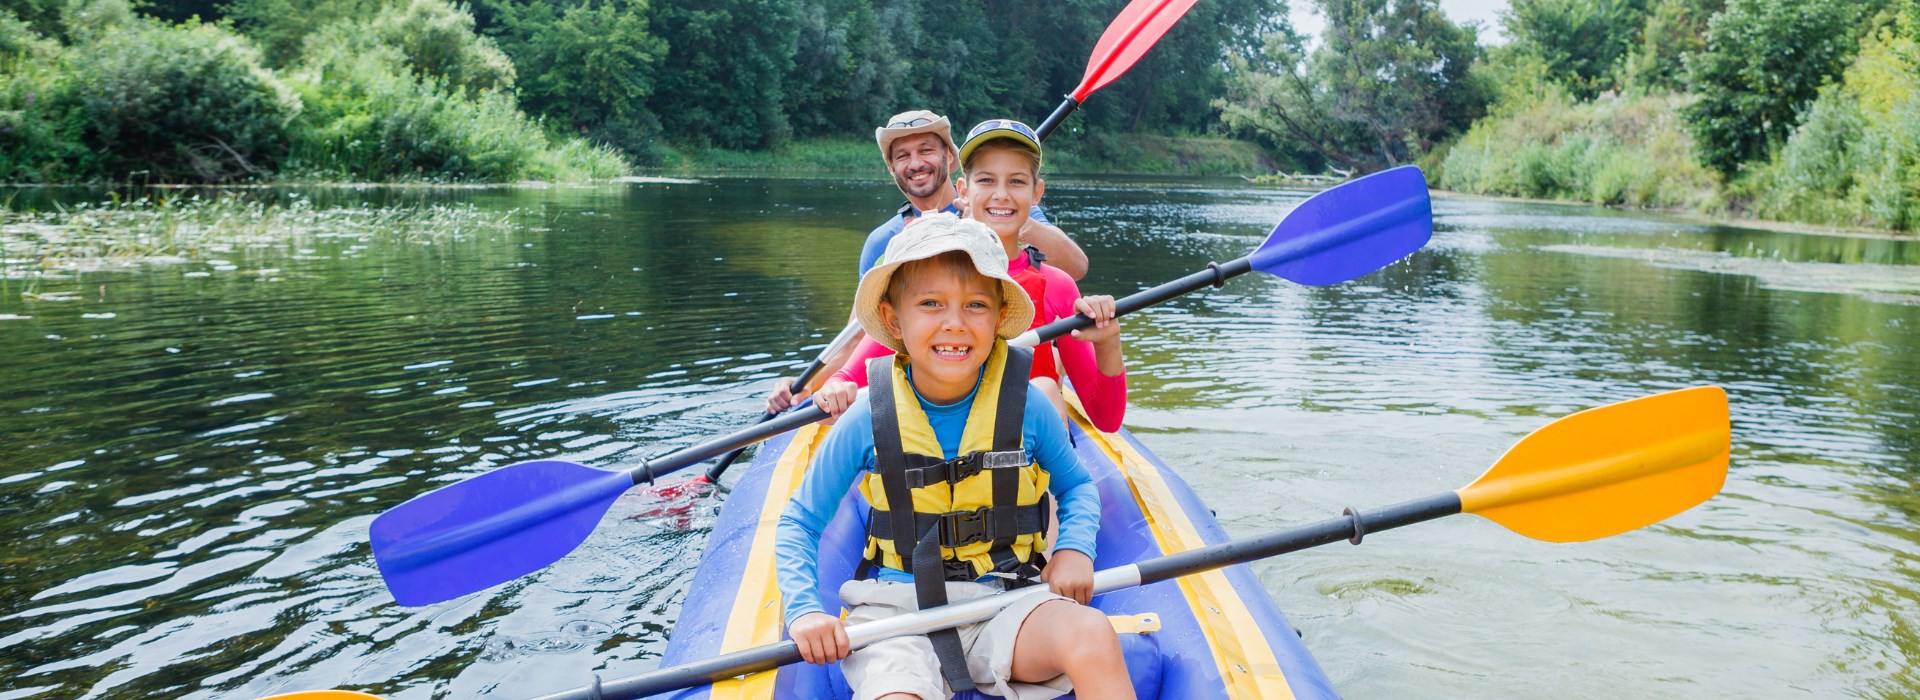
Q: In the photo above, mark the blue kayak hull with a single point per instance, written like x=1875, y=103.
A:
x=1219, y=634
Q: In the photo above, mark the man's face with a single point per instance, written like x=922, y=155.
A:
x=919, y=164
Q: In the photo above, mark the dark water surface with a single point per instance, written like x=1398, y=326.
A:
x=190, y=453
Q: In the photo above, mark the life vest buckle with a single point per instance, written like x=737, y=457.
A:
x=965, y=527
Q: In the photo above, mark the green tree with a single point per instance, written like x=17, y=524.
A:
x=1674, y=29
x=439, y=42
x=1580, y=39
x=846, y=72
x=1390, y=79
x=589, y=65
x=1764, y=61
x=723, y=80
x=280, y=27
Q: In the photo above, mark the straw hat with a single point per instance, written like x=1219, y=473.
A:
x=927, y=237
x=918, y=121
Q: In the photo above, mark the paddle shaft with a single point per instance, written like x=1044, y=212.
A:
x=1350, y=527
x=799, y=384
x=1067, y=106
x=1213, y=276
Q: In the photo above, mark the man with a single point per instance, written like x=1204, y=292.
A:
x=918, y=149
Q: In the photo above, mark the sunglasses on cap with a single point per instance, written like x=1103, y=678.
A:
x=1008, y=124
x=910, y=123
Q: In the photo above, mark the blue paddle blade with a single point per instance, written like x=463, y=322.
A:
x=1350, y=230
x=490, y=529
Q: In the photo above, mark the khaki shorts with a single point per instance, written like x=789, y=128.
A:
x=908, y=665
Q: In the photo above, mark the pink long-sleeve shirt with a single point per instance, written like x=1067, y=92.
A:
x=1104, y=397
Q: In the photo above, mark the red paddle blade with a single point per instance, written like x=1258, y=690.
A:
x=1129, y=37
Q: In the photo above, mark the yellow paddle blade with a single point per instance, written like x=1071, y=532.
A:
x=323, y=695
x=1607, y=470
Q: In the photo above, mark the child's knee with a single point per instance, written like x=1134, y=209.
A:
x=1095, y=640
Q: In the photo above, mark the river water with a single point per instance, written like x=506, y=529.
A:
x=191, y=452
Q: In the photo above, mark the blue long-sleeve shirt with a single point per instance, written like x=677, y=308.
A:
x=847, y=454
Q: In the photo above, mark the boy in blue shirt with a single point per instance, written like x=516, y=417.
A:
x=950, y=430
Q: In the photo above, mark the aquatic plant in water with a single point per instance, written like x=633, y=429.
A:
x=151, y=230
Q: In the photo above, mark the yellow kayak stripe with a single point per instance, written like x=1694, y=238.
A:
x=1241, y=652
x=756, y=616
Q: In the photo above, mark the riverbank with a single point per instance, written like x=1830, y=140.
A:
x=1113, y=154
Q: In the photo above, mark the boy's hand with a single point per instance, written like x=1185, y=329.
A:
x=836, y=396
x=782, y=397
x=822, y=638
x=1069, y=573
x=1101, y=309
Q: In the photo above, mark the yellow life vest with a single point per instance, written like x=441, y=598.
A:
x=987, y=508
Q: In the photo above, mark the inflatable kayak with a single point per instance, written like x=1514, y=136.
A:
x=1211, y=635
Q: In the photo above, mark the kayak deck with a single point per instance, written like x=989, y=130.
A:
x=1219, y=634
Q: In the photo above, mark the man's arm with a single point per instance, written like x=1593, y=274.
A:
x=1060, y=250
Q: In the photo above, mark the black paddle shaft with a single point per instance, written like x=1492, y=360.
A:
x=726, y=460
x=1214, y=275
x=1067, y=106
x=1351, y=526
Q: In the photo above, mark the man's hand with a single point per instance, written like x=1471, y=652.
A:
x=822, y=638
x=1069, y=573
x=782, y=397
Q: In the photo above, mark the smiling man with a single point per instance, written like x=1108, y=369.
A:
x=918, y=148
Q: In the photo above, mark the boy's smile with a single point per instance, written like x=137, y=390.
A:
x=946, y=319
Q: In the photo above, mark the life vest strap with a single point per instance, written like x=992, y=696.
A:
x=966, y=527
x=955, y=470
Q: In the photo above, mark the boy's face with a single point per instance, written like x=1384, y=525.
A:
x=946, y=319
x=1000, y=187
x=919, y=164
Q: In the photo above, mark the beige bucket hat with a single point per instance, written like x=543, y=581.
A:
x=918, y=121
x=927, y=237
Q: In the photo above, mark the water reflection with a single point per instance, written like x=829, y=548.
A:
x=192, y=454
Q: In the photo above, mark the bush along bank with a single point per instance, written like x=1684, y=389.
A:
x=105, y=95
x=1847, y=153
x=1626, y=151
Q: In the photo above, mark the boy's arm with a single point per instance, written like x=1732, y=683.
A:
x=1068, y=479
x=796, y=541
